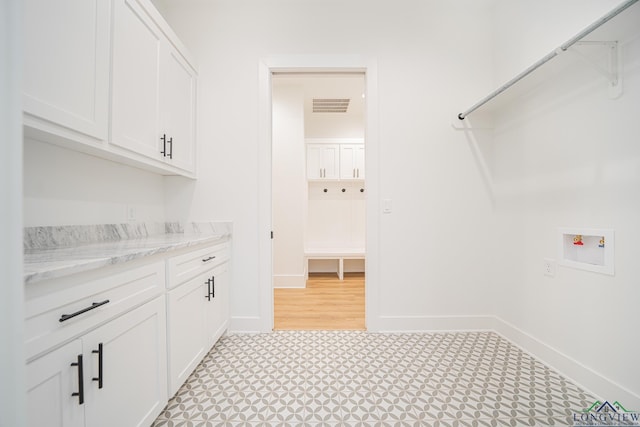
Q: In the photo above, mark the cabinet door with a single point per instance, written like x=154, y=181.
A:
x=133, y=370
x=186, y=308
x=322, y=161
x=359, y=162
x=66, y=66
x=352, y=161
x=51, y=381
x=135, y=80
x=314, y=162
x=217, y=308
x=177, y=108
x=331, y=158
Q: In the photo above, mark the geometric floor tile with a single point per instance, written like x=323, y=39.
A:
x=355, y=378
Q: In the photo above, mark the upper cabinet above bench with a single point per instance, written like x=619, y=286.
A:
x=335, y=159
x=110, y=78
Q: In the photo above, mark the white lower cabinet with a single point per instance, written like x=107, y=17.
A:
x=113, y=375
x=198, y=315
x=108, y=348
x=133, y=368
x=51, y=382
x=186, y=306
x=217, y=308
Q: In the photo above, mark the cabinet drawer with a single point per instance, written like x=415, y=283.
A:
x=183, y=267
x=66, y=313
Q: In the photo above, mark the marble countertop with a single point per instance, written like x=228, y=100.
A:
x=46, y=261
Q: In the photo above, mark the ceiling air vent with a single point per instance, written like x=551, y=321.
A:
x=332, y=105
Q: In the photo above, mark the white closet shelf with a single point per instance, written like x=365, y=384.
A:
x=620, y=24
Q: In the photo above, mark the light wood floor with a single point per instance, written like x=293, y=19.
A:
x=326, y=303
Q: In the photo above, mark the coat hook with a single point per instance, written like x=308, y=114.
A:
x=325, y=190
x=362, y=190
x=343, y=190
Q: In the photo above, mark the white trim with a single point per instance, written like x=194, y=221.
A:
x=13, y=394
x=436, y=323
x=245, y=324
x=316, y=63
x=589, y=379
x=334, y=140
x=581, y=375
x=265, y=245
x=289, y=281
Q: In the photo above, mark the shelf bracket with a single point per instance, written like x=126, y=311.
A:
x=610, y=71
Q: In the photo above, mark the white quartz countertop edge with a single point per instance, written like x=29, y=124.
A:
x=45, y=264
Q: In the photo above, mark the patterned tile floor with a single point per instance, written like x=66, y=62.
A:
x=351, y=378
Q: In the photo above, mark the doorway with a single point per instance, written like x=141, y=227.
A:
x=318, y=199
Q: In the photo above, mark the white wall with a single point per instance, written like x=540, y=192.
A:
x=568, y=156
x=336, y=219
x=325, y=126
x=429, y=55
x=336, y=125
x=64, y=187
x=289, y=185
x=454, y=249
x=12, y=369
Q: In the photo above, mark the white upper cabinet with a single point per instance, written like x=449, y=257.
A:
x=110, y=78
x=177, y=108
x=352, y=161
x=135, y=80
x=333, y=161
x=66, y=68
x=153, y=105
x=323, y=161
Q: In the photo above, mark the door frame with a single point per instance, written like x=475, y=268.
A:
x=318, y=64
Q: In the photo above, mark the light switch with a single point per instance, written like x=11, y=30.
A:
x=386, y=206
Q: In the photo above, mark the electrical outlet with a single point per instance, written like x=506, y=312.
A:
x=131, y=213
x=549, y=267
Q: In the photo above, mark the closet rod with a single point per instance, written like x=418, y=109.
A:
x=623, y=6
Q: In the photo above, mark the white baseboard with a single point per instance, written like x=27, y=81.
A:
x=241, y=324
x=585, y=377
x=434, y=323
x=289, y=281
x=581, y=375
